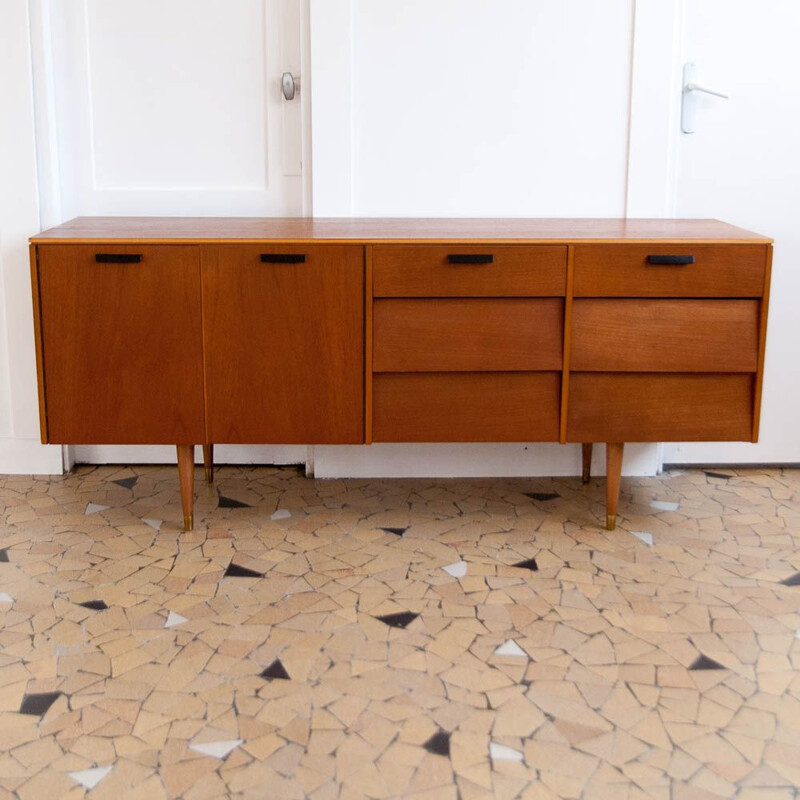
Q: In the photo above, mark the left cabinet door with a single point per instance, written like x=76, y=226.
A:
x=121, y=343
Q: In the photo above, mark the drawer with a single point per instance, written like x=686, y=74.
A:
x=447, y=271
x=624, y=407
x=624, y=271
x=665, y=335
x=466, y=407
x=481, y=335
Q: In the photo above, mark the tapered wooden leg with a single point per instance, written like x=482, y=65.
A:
x=613, y=474
x=208, y=462
x=186, y=474
x=587, y=461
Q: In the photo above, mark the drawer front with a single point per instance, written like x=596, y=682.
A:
x=480, y=335
x=466, y=407
x=620, y=407
x=665, y=335
x=624, y=271
x=447, y=271
x=121, y=343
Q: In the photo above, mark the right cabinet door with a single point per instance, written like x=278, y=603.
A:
x=666, y=351
x=283, y=329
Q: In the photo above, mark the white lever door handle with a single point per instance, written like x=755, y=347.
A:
x=695, y=87
x=689, y=97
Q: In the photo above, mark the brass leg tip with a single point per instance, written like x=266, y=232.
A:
x=188, y=522
x=611, y=522
x=209, y=475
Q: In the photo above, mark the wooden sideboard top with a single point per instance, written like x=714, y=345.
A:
x=388, y=230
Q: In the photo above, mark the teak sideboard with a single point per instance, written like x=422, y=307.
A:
x=349, y=331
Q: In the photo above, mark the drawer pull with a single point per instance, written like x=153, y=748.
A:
x=283, y=258
x=117, y=258
x=671, y=261
x=470, y=258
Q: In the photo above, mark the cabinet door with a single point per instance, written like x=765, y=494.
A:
x=284, y=343
x=121, y=343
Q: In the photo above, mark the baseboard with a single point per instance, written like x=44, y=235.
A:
x=30, y=457
x=488, y=460
x=483, y=460
x=165, y=454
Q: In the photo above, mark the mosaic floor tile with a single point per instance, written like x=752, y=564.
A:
x=94, y=605
x=276, y=670
x=457, y=570
x=216, y=749
x=38, y=704
x=89, y=778
x=438, y=744
x=602, y=696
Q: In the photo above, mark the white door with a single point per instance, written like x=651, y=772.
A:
x=171, y=107
x=742, y=165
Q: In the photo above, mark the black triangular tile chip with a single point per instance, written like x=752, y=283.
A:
x=704, y=662
x=235, y=571
x=37, y=704
x=439, y=744
x=4, y=555
x=227, y=502
x=529, y=564
x=794, y=580
x=127, y=483
x=717, y=475
x=542, y=495
x=276, y=670
x=95, y=605
x=395, y=531
x=400, y=620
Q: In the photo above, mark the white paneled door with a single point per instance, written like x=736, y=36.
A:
x=741, y=164
x=171, y=107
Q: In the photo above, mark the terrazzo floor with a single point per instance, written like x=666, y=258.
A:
x=446, y=640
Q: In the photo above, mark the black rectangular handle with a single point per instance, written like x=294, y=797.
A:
x=283, y=258
x=470, y=258
x=117, y=258
x=672, y=261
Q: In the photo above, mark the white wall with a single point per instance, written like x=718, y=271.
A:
x=20, y=449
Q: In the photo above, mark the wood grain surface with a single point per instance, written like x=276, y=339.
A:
x=193, y=229
x=642, y=335
x=630, y=407
x=482, y=335
x=284, y=345
x=424, y=271
x=122, y=345
x=466, y=407
x=623, y=271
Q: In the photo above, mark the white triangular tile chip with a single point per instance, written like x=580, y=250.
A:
x=281, y=513
x=93, y=508
x=5, y=597
x=216, y=749
x=153, y=523
x=664, y=505
x=674, y=473
x=89, y=778
x=647, y=538
x=174, y=619
x=499, y=752
x=457, y=570
x=510, y=648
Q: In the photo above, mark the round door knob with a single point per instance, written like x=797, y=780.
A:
x=290, y=85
